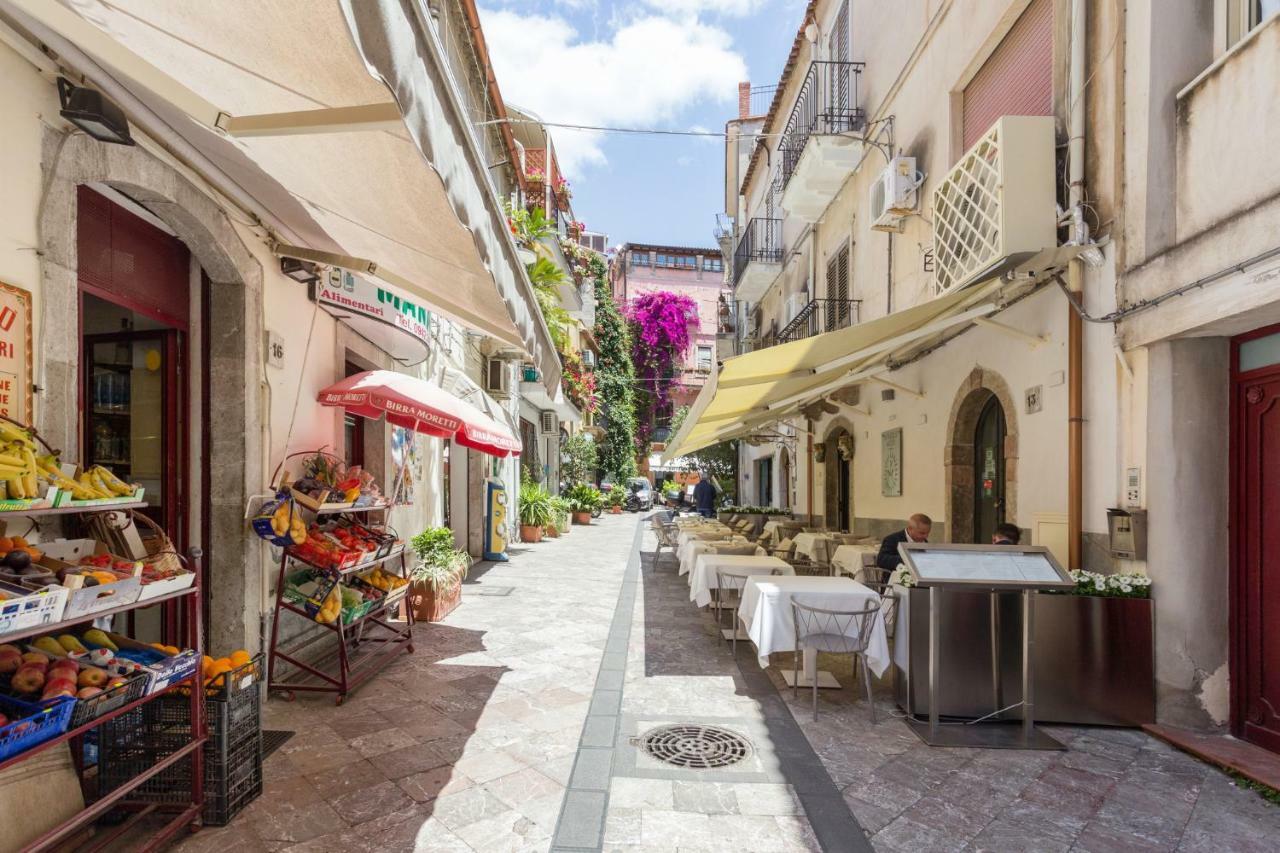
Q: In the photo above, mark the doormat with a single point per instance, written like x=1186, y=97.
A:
x=273, y=739
x=495, y=590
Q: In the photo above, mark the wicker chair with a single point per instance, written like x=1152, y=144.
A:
x=667, y=534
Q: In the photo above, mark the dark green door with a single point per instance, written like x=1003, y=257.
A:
x=988, y=473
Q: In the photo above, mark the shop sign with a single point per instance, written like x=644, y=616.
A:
x=15, y=353
x=359, y=296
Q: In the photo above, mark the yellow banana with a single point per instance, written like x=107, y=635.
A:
x=13, y=432
x=16, y=489
x=10, y=459
x=114, y=483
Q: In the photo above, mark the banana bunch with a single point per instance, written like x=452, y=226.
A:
x=18, y=468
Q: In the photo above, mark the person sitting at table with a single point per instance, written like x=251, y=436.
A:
x=917, y=530
x=1006, y=534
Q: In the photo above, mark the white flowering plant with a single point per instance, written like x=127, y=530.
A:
x=1110, y=586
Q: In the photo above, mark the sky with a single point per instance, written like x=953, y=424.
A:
x=658, y=64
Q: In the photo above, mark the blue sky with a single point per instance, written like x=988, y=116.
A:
x=672, y=64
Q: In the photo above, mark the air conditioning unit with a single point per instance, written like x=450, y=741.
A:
x=547, y=423
x=497, y=379
x=794, y=305
x=996, y=208
x=893, y=195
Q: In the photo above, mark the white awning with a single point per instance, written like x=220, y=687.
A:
x=341, y=119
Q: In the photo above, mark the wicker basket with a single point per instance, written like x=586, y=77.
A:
x=161, y=553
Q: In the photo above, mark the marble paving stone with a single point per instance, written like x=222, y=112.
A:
x=642, y=794
x=713, y=798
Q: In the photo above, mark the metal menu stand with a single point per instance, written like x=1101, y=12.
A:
x=996, y=569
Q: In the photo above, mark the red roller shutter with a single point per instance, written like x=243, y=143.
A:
x=1017, y=79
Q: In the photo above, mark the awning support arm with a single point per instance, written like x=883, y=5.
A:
x=1033, y=340
x=384, y=116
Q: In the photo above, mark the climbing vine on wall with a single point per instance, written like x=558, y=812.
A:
x=615, y=380
x=663, y=325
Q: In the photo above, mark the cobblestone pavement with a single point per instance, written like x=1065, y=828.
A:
x=511, y=728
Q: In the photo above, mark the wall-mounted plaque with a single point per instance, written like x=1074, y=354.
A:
x=891, y=463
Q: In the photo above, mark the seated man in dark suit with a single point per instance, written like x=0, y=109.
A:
x=917, y=530
x=1006, y=534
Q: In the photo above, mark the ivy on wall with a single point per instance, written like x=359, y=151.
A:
x=615, y=380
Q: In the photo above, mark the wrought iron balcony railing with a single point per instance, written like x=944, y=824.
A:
x=820, y=315
x=827, y=103
x=761, y=241
x=761, y=99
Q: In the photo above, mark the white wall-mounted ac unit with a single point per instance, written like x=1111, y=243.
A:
x=794, y=305
x=996, y=207
x=894, y=193
x=547, y=423
x=497, y=379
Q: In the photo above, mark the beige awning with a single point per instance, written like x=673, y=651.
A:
x=339, y=117
x=764, y=386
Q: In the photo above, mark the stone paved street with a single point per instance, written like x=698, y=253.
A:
x=510, y=729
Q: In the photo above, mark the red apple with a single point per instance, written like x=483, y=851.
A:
x=10, y=659
x=28, y=679
x=38, y=658
x=87, y=692
x=59, y=687
x=4, y=721
x=90, y=677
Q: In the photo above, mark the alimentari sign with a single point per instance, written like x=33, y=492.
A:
x=344, y=290
x=15, y=353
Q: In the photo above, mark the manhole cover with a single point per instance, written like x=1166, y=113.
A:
x=697, y=747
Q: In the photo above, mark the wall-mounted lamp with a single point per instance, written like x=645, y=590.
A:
x=93, y=113
x=303, y=272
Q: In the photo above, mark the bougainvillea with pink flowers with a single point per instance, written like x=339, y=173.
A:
x=663, y=326
x=579, y=383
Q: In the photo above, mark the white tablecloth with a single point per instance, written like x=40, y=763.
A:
x=703, y=535
x=689, y=551
x=703, y=577
x=848, y=558
x=806, y=543
x=766, y=612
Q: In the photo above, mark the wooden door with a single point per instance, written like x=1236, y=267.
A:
x=1255, y=537
x=988, y=473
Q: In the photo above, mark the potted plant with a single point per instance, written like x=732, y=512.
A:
x=615, y=501
x=561, y=188
x=437, y=574
x=583, y=500
x=537, y=185
x=563, y=518
x=535, y=511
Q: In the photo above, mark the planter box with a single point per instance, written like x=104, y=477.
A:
x=582, y=518
x=1094, y=656
x=530, y=533
x=551, y=531
x=428, y=606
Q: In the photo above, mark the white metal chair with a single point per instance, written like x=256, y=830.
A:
x=732, y=581
x=667, y=534
x=839, y=632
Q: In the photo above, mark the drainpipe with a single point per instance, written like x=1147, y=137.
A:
x=1075, y=283
x=809, y=461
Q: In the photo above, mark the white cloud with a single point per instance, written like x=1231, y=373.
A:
x=731, y=8
x=684, y=160
x=647, y=73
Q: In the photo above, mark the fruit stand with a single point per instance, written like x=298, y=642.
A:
x=341, y=572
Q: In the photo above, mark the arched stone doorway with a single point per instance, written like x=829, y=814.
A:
x=981, y=458
x=235, y=277
x=838, y=478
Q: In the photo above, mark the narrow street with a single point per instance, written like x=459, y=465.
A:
x=511, y=727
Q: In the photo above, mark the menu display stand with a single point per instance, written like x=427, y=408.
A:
x=996, y=569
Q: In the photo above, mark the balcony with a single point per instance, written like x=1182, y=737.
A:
x=818, y=149
x=758, y=259
x=820, y=315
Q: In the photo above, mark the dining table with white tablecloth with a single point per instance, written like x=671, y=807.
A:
x=704, y=534
x=702, y=579
x=848, y=559
x=807, y=543
x=689, y=551
x=765, y=613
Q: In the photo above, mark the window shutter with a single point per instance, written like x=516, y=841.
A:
x=837, y=313
x=1017, y=79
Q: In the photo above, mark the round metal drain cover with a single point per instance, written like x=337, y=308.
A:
x=696, y=747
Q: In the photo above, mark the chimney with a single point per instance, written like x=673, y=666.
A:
x=744, y=99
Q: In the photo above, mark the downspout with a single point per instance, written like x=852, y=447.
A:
x=1075, y=284
x=809, y=461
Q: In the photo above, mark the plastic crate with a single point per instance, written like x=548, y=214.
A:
x=134, y=687
x=231, y=723
x=22, y=608
x=32, y=724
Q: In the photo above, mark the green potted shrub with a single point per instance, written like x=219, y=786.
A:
x=535, y=511
x=583, y=500
x=436, y=576
x=615, y=501
x=563, y=518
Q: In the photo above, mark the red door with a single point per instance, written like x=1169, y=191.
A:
x=1255, y=537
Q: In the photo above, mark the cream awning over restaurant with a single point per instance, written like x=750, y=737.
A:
x=764, y=386
x=339, y=118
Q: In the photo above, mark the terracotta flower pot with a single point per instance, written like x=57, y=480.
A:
x=615, y=510
x=582, y=518
x=551, y=531
x=431, y=606
x=530, y=533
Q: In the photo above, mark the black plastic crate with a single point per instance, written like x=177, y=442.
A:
x=235, y=720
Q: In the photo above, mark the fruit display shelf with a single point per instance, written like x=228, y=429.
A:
x=74, y=510
x=185, y=811
x=363, y=645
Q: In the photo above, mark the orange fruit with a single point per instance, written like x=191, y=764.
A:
x=220, y=667
x=18, y=542
x=206, y=664
x=239, y=658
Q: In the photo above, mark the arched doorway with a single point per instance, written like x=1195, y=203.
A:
x=839, y=479
x=988, y=471
x=981, y=460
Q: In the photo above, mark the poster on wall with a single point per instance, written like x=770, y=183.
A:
x=15, y=353
x=404, y=455
x=891, y=463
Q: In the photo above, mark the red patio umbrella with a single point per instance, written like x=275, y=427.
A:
x=416, y=404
